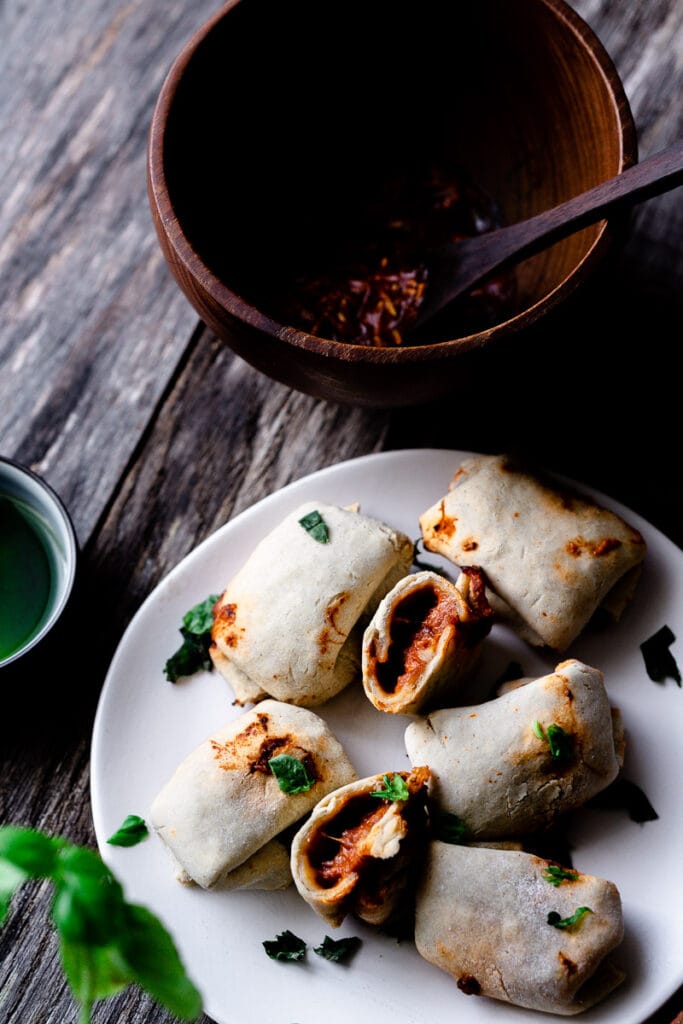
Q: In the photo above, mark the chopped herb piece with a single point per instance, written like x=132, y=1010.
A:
x=193, y=655
x=106, y=944
x=130, y=833
x=285, y=946
x=394, y=788
x=427, y=566
x=291, y=774
x=626, y=796
x=556, y=875
x=199, y=619
x=659, y=661
x=561, y=743
x=338, y=950
x=567, y=922
x=449, y=828
x=314, y=524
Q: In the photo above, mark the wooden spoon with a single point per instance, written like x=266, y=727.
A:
x=457, y=267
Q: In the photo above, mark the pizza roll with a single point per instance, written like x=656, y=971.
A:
x=515, y=764
x=223, y=803
x=424, y=640
x=356, y=851
x=485, y=916
x=551, y=557
x=290, y=623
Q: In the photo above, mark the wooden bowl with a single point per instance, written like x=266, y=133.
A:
x=278, y=123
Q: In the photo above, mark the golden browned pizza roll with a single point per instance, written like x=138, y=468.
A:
x=424, y=640
x=512, y=926
x=551, y=557
x=290, y=623
x=225, y=802
x=515, y=764
x=356, y=852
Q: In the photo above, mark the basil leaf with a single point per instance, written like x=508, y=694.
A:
x=93, y=972
x=88, y=901
x=660, y=663
x=449, y=828
x=199, y=619
x=11, y=879
x=193, y=654
x=624, y=795
x=556, y=875
x=395, y=788
x=153, y=962
x=285, y=946
x=291, y=774
x=561, y=743
x=568, y=922
x=130, y=833
x=338, y=950
x=33, y=852
x=315, y=525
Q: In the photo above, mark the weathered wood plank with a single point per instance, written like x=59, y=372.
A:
x=93, y=327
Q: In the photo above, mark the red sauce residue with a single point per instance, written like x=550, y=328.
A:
x=372, y=291
x=606, y=545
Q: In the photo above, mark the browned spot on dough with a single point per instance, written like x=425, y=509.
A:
x=469, y=985
x=470, y=544
x=567, y=963
x=253, y=747
x=445, y=526
x=578, y=546
x=227, y=612
x=606, y=545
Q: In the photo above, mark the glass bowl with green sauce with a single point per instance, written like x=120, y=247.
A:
x=38, y=556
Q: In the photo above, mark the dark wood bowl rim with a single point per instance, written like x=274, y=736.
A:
x=242, y=310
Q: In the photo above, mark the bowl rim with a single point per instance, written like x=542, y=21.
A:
x=71, y=557
x=185, y=255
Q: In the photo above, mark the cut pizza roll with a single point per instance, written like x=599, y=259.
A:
x=224, y=807
x=290, y=623
x=424, y=640
x=357, y=851
x=515, y=927
x=551, y=557
x=514, y=765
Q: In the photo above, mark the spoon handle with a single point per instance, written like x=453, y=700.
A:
x=461, y=265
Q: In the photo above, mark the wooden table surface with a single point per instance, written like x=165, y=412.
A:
x=154, y=434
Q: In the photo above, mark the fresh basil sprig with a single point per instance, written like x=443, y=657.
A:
x=131, y=832
x=291, y=774
x=395, y=788
x=105, y=942
x=193, y=654
x=561, y=743
x=316, y=527
x=568, y=922
x=556, y=875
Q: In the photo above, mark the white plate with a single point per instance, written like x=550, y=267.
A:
x=145, y=726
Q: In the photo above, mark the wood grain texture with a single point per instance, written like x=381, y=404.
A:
x=155, y=434
x=92, y=326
